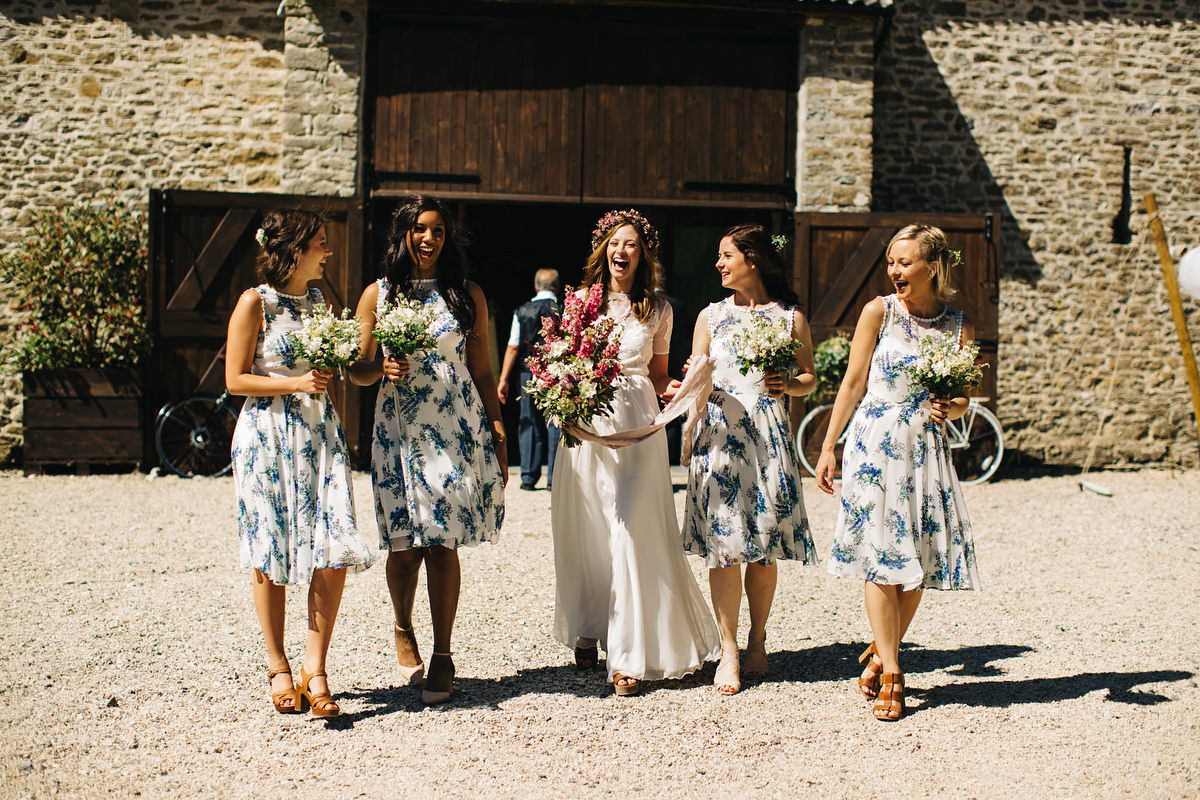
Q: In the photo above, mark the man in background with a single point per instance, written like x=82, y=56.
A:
x=537, y=439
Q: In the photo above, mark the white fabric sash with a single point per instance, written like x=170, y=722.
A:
x=692, y=397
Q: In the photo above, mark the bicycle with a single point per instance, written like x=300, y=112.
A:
x=194, y=436
x=976, y=441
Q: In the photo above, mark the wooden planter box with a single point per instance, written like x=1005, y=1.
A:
x=82, y=419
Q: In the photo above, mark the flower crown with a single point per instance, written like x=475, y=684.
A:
x=779, y=241
x=260, y=236
x=629, y=217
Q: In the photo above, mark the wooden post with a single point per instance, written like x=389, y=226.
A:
x=1185, y=341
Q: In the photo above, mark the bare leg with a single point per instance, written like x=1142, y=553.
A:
x=890, y=611
x=403, y=573
x=760, y=593
x=725, y=585
x=444, y=579
x=270, y=604
x=324, y=599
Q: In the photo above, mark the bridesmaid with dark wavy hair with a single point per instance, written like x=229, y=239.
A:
x=438, y=451
x=290, y=464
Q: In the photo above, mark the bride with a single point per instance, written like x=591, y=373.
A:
x=622, y=579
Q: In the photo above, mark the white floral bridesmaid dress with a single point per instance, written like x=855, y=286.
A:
x=744, y=503
x=291, y=467
x=902, y=519
x=436, y=475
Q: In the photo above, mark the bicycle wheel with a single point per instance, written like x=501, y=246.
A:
x=976, y=445
x=811, y=434
x=194, y=436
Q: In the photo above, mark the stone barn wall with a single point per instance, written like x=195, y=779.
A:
x=1028, y=109
x=109, y=100
x=1024, y=108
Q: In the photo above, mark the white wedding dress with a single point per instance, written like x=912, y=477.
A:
x=621, y=575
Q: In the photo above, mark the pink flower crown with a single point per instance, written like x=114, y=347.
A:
x=629, y=217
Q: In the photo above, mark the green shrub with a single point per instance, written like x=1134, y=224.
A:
x=79, y=277
x=830, y=358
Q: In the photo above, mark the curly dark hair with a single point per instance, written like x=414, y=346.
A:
x=284, y=235
x=399, y=264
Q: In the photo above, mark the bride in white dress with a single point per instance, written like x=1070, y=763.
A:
x=621, y=577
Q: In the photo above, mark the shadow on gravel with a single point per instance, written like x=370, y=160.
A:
x=999, y=694
x=834, y=662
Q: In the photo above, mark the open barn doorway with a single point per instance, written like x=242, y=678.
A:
x=510, y=240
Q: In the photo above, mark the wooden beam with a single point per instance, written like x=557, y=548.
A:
x=855, y=272
x=1181, y=330
x=214, y=255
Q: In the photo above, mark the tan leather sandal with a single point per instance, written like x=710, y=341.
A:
x=322, y=704
x=869, y=685
x=630, y=687
x=889, y=706
x=286, y=701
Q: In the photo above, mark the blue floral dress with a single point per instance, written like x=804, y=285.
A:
x=902, y=520
x=743, y=502
x=436, y=476
x=290, y=465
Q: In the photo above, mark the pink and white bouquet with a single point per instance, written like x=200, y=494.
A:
x=405, y=328
x=329, y=343
x=575, y=367
x=945, y=368
x=765, y=345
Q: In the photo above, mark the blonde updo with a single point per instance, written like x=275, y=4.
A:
x=935, y=250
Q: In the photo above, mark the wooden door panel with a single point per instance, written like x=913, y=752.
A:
x=502, y=115
x=689, y=115
x=839, y=268
x=203, y=257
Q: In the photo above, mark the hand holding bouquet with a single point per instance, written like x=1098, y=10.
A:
x=328, y=343
x=575, y=367
x=946, y=368
x=406, y=327
x=766, y=346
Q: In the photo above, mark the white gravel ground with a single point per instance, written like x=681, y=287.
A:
x=131, y=664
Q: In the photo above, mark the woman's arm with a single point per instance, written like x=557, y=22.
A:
x=804, y=380
x=854, y=386
x=479, y=364
x=240, y=344
x=954, y=407
x=372, y=365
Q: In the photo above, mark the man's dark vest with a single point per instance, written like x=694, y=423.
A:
x=529, y=323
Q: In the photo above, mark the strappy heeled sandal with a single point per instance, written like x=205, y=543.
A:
x=630, y=687
x=278, y=698
x=889, y=706
x=433, y=693
x=727, y=679
x=322, y=704
x=870, y=686
x=757, y=649
x=411, y=675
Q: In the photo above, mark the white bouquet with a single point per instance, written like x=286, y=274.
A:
x=765, y=345
x=946, y=368
x=327, y=342
x=406, y=327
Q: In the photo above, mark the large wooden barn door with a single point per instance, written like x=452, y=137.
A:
x=490, y=106
x=839, y=267
x=693, y=114
x=202, y=258
x=584, y=104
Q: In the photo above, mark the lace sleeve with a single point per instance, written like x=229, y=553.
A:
x=662, y=333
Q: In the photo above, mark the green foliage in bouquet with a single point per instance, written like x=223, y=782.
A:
x=79, y=279
x=830, y=358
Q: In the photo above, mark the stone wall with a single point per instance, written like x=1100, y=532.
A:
x=1028, y=109
x=109, y=100
x=834, y=130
